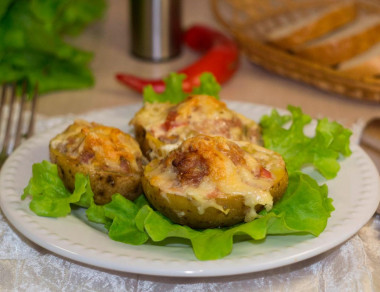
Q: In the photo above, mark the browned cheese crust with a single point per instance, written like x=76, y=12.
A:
x=162, y=127
x=112, y=159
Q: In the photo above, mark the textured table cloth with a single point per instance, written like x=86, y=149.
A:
x=352, y=266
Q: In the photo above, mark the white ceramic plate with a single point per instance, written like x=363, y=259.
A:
x=355, y=192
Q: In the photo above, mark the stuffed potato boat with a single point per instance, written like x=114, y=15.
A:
x=213, y=182
x=112, y=159
x=162, y=127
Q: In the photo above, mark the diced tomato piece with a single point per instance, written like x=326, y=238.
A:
x=214, y=194
x=170, y=119
x=265, y=173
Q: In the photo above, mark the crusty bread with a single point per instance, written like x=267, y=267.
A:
x=364, y=65
x=345, y=43
x=324, y=20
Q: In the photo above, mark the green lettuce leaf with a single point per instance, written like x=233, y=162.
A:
x=66, y=16
x=305, y=207
x=123, y=228
x=173, y=89
x=208, y=86
x=4, y=4
x=322, y=151
x=49, y=195
x=34, y=44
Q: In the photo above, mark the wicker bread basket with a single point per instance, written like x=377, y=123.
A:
x=250, y=21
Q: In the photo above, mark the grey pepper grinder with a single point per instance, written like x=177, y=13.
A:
x=155, y=29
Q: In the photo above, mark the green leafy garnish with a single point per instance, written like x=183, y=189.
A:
x=322, y=150
x=304, y=207
x=173, y=89
x=208, y=86
x=122, y=213
x=33, y=43
x=49, y=195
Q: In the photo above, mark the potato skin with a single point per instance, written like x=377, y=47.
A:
x=112, y=160
x=148, y=143
x=171, y=205
x=103, y=184
x=280, y=186
x=183, y=209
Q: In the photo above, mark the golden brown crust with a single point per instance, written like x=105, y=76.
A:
x=340, y=50
x=112, y=159
x=326, y=23
x=367, y=68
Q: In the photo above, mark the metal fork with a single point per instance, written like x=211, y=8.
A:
x=12, y=116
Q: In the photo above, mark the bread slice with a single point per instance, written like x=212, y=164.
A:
x=345, y=43
x=324, y=20
x=364, y=65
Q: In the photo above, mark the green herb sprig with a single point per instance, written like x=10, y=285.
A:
x=33, y=44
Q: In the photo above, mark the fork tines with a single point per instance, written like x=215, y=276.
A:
x=13, y=113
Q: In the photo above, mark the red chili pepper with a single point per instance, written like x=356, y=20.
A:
x=221, y=58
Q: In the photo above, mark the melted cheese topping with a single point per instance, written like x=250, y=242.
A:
x=198, y=114
x=100, y=147
x=205, y=168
